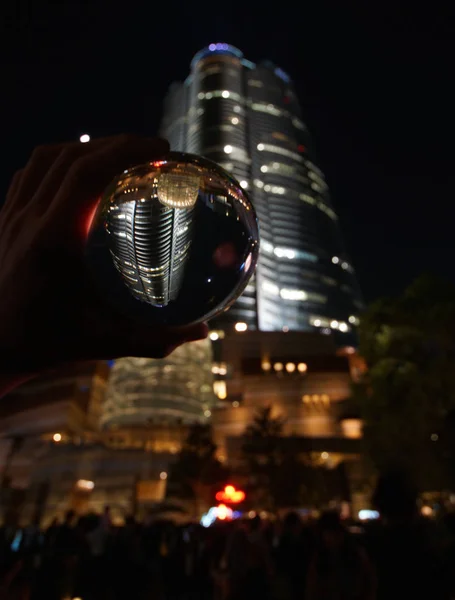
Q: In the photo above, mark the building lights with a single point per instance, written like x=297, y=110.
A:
x=57, y=437
x=241, y=326
x=306, y=399
x=207, y=413
x=84, y=138
x=343, y=327
x=220, y=390
x=213, y=335
x=266, y=366
x=264, y=169
x=227, y=149
x=235, y=404
x=86, y=485
x=293, y=294
x=324, y=455
x=163, y=475
x=260, y=147
x=335, y=260
x=244, y=184
x=334, y=324
x=225, y=94
x=278, y=366
x=317, y=322
x=302, y=367
x=290, y=367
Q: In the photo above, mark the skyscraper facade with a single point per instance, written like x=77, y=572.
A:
x=246, y=117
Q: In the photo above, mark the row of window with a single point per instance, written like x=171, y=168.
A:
x=291, y=294
x=280, y=150
x=290, y=253
x=279, y=190
x=269, y=108
x=317, y=321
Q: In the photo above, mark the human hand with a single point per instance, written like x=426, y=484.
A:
x=50, y=312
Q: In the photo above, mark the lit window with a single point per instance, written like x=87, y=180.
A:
x=241, y=326
x=219, y=389
x=84, y=138
x=270, y=287
x=278, y=366
x=293, y=294
x=279, y=150
x=227, y=149
x=335, y=260
x=290, y=367
x=244, y=184
x=284, y=253
x=266, y=366
x=216, y=335
x=307, y=199
x=84, y=484
x=302, y=367
x=163, y=475
x=235, y=120
x=271, y=109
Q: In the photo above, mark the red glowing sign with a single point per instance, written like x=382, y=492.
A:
x=301, y=148
x=230, y=495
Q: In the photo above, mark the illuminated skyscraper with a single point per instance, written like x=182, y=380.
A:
x=246, y=117
x=178, y=388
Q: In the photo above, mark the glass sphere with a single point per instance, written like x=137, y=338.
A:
x=174, y=241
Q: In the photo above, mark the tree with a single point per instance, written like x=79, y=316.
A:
x=280, y=474
x=197, y=474
x=407, y=395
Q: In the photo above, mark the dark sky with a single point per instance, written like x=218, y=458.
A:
x=374, y=87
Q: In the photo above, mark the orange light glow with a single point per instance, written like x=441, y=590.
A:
x=230, y=495
x=222, y=512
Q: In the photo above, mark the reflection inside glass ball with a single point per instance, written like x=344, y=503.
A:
x=173, y=241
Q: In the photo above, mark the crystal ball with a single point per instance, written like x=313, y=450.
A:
x=173, y=241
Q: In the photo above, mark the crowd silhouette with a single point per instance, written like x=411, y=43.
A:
x=291, y=558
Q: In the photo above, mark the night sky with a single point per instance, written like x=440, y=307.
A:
x=374, y=88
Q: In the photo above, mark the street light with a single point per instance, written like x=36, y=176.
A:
x=84, y=138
